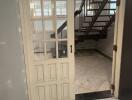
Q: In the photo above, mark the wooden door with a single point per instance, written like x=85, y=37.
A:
x=118, y=37
x=49, y=48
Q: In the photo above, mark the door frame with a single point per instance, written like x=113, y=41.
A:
x=26, y=45
x=117, y=41
x=118, y=38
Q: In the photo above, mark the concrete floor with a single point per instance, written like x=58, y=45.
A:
x=93, y=72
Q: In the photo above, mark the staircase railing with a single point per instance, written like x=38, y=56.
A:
x=77, y=12
x=95, y=19
x=101, y=7
x=92, y=11
x=87, y=10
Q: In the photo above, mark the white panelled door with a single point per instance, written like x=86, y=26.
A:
x=49, y=48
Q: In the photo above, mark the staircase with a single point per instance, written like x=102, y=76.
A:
x=94, y=18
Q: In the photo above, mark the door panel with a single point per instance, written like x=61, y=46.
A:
x=49, y=52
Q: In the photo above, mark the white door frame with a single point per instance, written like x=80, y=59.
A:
x=118, y=38
x=26, y=47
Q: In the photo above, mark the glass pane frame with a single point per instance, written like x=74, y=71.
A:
x=112, y=6
x=63, y=35
x=51, y=50
x=35, y=8
x=53, y=36
x=63, y=49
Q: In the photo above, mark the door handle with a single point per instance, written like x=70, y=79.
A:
x=71, y=48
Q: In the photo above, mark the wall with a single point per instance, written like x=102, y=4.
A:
x=106, y=45
x=103, y=45
x=12, y=68
x=87, y=44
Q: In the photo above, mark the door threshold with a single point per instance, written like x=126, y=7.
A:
x=94, y=95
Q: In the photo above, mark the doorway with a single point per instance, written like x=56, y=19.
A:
x=94, y=31
x=48, y=34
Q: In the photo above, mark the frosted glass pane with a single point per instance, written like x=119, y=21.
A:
x=62, y=49
x=50, y=50
x=35, y=7
x=47, y=7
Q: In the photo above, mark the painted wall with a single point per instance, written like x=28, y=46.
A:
x=87, y=44
x=106, y=45
x=12, y=67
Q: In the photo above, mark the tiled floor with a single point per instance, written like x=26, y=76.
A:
x=93, y=72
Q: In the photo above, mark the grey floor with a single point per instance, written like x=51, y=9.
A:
x=93, y=72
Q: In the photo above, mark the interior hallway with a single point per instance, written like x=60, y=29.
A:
x=93, y=72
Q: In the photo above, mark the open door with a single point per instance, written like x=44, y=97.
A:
x=115, y=49
x=117, y=53
x=49, y=48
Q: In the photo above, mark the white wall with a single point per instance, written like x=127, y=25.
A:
x=106, y=45
x=87, y=44
x=12, y=67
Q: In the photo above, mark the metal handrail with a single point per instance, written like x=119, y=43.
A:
x=77, y=12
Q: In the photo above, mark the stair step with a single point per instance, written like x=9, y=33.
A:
x=98, y=9
x=95, y=36
x=100, y=16
x=99, y=26
x=98, y=2
x=93, y=26
x=85, y=30
x=97, y=21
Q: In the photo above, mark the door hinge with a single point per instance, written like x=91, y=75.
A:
x=112, y=87
x=115, y=47
x=71, y=48
x=118, y=2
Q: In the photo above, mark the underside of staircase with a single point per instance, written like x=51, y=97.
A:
x=94, y=18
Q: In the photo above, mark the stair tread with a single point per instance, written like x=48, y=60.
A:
x=99, y=15
x=95, y=2
x=98, y=9
x=85, y=30
x=90, y=36
x=96, y=21
x=94, y=26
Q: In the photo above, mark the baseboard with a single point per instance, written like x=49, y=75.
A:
x=103, y=54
